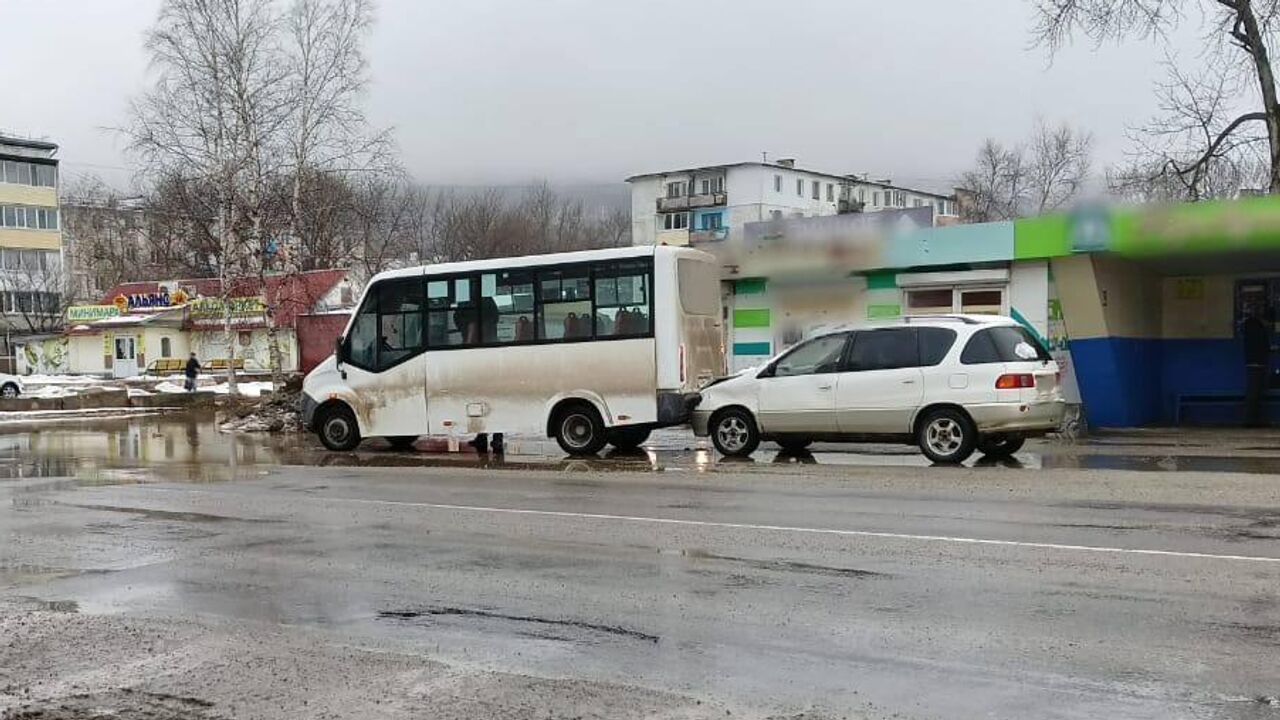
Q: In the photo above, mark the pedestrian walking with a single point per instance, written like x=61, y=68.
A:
x=192, y=372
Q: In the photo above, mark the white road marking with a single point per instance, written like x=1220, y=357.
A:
x=768, y=528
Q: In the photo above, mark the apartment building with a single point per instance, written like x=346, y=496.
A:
x=31, y=281
x=714, y=203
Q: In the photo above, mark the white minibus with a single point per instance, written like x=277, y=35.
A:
x=591, y=347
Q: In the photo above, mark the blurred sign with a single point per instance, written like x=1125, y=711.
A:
x=89, y=313
x=241, y=307
x=1090, y=229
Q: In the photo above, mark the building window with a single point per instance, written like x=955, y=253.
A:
x=799, y=187
x=862, y=195
x=931, y=301
x=917, y=203
x=831, y=192
x=711, y=221
x=706, y=187
x=675, y=221
x=23, y=173
x=675, y=189
x=777, y=183
x=875, y=199
x=944, y=300
x=817, y=190
x=166, y=348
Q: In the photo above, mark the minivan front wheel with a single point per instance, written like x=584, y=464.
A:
x=947, y=436
x=734, y=432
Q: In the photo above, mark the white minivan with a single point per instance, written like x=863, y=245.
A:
x=950, y=384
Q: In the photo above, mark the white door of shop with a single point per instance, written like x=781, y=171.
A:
x=126, y=360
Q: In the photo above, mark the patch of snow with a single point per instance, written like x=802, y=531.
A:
x=138, y=392
x=60, y=379
x=169, y=387
x=50, y=391
x=247, y=389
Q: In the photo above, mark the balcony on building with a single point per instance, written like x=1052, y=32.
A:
x=719, y=234
x=692, y=202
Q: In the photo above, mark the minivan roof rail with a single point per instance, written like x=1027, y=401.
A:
x=930, y=318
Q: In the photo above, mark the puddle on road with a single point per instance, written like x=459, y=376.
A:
x=189, y=448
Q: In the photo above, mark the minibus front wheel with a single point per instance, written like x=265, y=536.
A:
x=337, y=427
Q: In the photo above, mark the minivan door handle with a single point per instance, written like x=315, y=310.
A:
x=908, y=382
x=824, y=387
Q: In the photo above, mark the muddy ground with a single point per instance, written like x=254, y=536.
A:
x=157, y=568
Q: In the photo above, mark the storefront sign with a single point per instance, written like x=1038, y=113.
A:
x=241, y=307
x=89, y=313
x=143, y=301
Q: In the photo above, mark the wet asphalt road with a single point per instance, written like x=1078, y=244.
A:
x=859, y=590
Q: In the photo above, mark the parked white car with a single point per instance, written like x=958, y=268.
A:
x=950, y=384
x=10, y=385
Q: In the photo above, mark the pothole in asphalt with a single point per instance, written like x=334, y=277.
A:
x=787, y=565
x=124, y=704
x=438, y=612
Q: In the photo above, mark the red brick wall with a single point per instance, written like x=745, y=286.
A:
x=316, y=335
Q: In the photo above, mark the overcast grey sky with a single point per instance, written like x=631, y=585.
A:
x=504, y=91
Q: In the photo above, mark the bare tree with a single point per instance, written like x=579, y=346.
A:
x=210, y=117
x=102, y=236
x=1041, y=176
x=995, y=184
x=35, y=289
x=1059, y=162
x=1227, y=112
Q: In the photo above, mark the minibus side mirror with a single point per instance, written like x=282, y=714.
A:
x=340, y=350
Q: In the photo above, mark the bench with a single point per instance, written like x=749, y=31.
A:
x=220, y=364
x=1269, y=400
x=166, y=366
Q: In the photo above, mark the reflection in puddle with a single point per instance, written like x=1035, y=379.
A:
x=190, y=448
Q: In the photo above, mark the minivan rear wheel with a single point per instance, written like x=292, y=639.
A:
x=734, y=432
x=1000, y=446
x=947, y=436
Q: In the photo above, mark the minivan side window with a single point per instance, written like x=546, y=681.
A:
x=1009, y=343
x=819, y=355
x=886, y=349
x=935, y=343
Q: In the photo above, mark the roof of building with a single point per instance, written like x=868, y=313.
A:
x=776, y=166
x=288, y=295
x=27, y=143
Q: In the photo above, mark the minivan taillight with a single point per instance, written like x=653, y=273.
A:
x=1015, y=382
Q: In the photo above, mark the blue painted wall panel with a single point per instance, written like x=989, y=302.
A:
x=1130, y=382
x=1120, y=380
x=955, y=245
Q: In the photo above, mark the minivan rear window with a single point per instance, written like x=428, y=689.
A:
x=1009, y=343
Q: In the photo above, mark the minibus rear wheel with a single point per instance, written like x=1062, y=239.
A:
x=579, y=430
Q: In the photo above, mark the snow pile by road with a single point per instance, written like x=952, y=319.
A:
x=51, y=391
x=247, y=389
